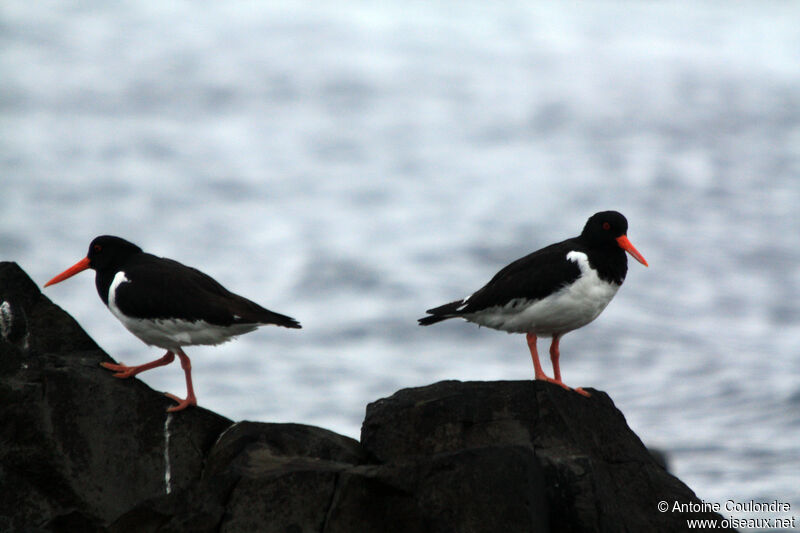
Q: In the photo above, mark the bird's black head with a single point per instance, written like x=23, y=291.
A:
x=106, y=255
x=107, y=252
x=604, y=227
x=610, y=228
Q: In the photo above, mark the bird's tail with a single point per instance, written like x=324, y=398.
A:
x=443, y=312
x=282, y=320
x=252, y=313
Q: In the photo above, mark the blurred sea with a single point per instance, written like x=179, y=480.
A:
x=352, y=164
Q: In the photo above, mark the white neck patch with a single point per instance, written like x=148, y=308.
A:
x=118, y=280
x=581, y=259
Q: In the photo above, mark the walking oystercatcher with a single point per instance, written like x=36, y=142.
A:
x=167, y=304
x=552, y=291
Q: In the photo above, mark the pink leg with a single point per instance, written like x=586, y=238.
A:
x=123, y=371
x=554, y=355
x=186, y=364
x=538, y=373
x=537, y=366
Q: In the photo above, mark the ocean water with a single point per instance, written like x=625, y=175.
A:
x=352, y=164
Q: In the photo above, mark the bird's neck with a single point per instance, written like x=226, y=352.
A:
x=102, y=281
x=610, y=263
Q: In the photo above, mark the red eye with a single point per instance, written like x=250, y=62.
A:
x=606, y=226
x=97, y=247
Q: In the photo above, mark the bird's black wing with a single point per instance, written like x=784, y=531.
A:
x=532, y=277
x=169, y=289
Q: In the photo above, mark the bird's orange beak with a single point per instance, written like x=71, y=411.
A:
x=625, y=244
x=80, y=266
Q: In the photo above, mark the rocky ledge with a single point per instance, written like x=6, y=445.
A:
x=82, y=451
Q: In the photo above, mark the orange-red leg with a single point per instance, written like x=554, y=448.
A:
x=186, y=364
x=537, y=366
x=123, y=371
x=554, y=355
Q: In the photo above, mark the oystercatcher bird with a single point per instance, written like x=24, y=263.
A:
x=552, y=291
x=167, y=304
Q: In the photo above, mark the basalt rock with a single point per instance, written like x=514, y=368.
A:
x=82, y=451
x=593, y=472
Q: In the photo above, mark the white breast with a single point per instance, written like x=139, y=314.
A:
x=571, y=307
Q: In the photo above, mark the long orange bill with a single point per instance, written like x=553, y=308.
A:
x=626, y=245
x=80, y=266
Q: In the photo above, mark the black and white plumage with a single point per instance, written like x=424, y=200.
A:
x=167, y=304
x=551, y=291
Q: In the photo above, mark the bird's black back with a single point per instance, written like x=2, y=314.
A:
x=174, y=290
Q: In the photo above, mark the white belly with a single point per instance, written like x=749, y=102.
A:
x=171, y=333
x=570, y=308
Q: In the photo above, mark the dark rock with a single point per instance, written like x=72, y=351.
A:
x=282, y=440
x=82, y=451
x=660, y=457
x=498, y=488
x=258, y=477
x=281, y=494
x=598, y=476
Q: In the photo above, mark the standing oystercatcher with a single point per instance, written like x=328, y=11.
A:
x=552, y=291
x=167, y=304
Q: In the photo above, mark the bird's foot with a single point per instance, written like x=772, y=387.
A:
x=582, y=392
x=182, y=403
x=564, y=385
x=121, y=370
